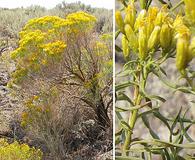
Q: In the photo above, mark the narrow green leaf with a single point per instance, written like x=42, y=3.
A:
x=123, y=97
x=163, y=71
x=127, y=158
x=166, y=153
x=117, y=33
x=126, y=65
x=165, y=144
x=148, y=112
x=184, y=131
x=117, y=140
x=124, y=85
x=162, y=118
x=118, y=49
x=185, y=90
x=119, y=116
x=118, y=133
x=126, y=73
x=121, y=109
x=175, y=121
x=125, y=126
x=164, y=81
x=158, y=98
x=147, y=124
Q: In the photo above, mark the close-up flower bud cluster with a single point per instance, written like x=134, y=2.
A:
x=148, y=31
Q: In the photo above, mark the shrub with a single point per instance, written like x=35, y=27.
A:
x=18, y=151
x=54, y=42
x=68, y=67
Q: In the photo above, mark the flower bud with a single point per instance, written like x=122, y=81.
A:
x=132, y=38
x=178, y=22
x=142, y=43
x=165, y=36
x=150, y=28
x=182, y=53
x=125, y=47
x=140, y=19
x=152, y=13
x=130, y=15
x=161, y=16
x=154, y=38
x=119, y=21
x=159, y=19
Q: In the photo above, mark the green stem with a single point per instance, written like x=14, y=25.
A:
x=177, y=5
x=128, y=140
x=150, y=156
x=132, y=121
x=132, y=118
x=143, y=4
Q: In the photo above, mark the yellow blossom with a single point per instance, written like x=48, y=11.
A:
x=142, y=43
x=119, y=21
x=130, y=15
x=154, y=38
x=125, y=47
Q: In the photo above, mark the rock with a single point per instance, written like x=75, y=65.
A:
x=106, y=156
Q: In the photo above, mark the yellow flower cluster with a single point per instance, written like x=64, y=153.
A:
x=101, y=49
x=79, y=17
x=38, y=106
x=34, y=111
x=151, y=30
x=35, y=36
x=142, y=33
x=54, y=47
x=18, y=151
x=46, y=22
x=44, y=38
x=53, y=22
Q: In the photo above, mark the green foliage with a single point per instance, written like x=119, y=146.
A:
x=149, y=32
x=18, y=151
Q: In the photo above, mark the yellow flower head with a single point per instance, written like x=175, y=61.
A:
x=152, y=13
x=119, y=21
x=130, y=14
x=54, y=48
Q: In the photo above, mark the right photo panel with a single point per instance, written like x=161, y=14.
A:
x=154, y=79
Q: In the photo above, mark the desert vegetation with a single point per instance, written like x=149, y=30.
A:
x=151, y=35
x=59, y=82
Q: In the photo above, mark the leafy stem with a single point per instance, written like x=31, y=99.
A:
x=134, y=113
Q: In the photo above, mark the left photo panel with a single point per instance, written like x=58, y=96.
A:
x=56, y=80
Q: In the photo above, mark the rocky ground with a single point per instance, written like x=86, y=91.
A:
x=7, y=104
